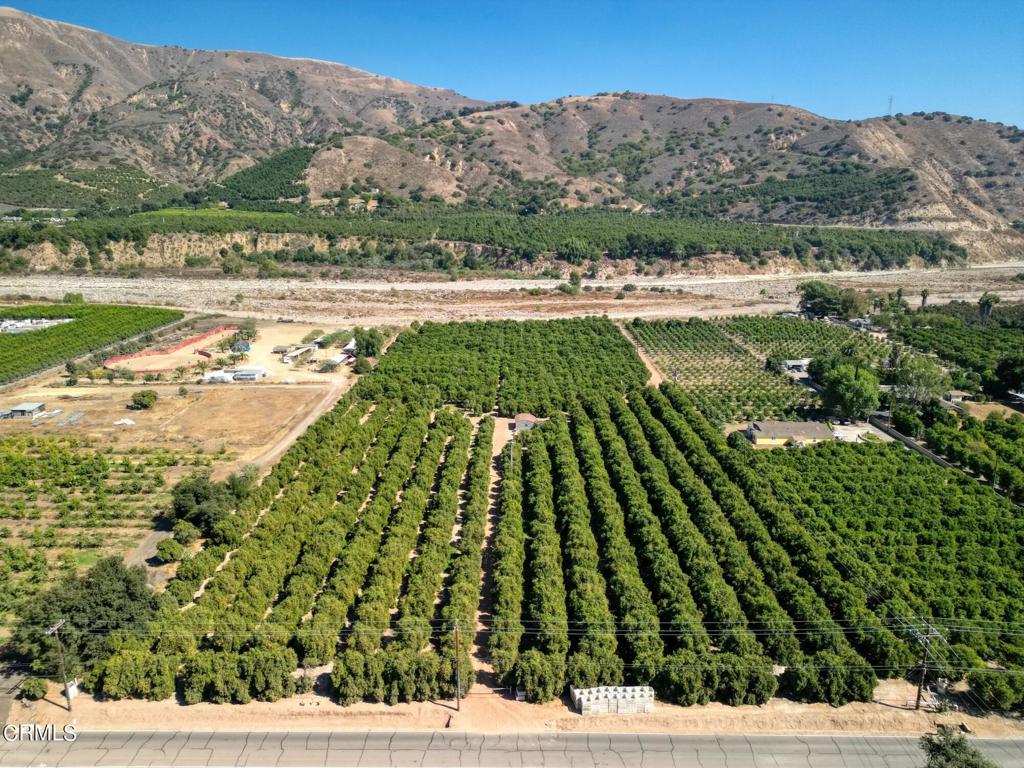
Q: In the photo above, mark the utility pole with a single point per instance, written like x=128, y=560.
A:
x=890, y=106
x=55, y=631
x=925, y=639
x=458, y=670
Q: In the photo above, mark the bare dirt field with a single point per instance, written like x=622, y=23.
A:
x=377, y=302
x=243, y=421
x=487, y=711
x=185, y=354
x=981, y=410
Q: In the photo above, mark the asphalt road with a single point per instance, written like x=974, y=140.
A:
x=10, y=685
x=460, y=749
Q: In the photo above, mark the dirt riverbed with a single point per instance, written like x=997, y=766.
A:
x=377, y=302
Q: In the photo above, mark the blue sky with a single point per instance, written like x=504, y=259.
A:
x=839, y=58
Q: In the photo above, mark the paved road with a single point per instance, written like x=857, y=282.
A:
x=459, y=749
x=10, y=684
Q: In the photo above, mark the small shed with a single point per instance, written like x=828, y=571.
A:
x=281, y=349
x=524, y=421
x=298, y=354
x=957, y=396
x=797, y=366
x=27, y=410
x=788, y=432
x=351, y=347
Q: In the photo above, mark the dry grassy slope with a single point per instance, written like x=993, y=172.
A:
x=692, y=147
x=191, y=115
x=541, y=142
x=943, y=154
x=706, y=144
x=662, y=128
x=392, y=168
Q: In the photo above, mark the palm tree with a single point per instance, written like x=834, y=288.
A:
x=985, y=304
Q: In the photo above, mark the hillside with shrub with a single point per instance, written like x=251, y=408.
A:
x=89, y=124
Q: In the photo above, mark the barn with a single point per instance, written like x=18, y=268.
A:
x=27, y=410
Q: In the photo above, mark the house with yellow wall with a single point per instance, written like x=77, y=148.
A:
x=779, y=433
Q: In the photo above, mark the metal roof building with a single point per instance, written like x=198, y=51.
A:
x=785, y=432
x=27, y=410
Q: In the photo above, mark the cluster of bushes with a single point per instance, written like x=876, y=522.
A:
x=541, y=669
x=383, y=584
x=389, y=467
x=593, y=659
x=509, y=562
x=973, y=338
x=200, y=505
x=393, y=676
x=553, y=635
x=1000, y=689
x=840, y=189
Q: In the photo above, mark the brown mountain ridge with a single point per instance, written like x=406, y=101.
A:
x=73, y=98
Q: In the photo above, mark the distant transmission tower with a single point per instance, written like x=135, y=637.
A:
x=890, y=107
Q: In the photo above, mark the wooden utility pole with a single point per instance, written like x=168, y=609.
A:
x=924, y=638
x=55, y=631
x=458, y=670
x=920, y=682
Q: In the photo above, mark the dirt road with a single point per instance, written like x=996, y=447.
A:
x=656, y=375
x=491, y=712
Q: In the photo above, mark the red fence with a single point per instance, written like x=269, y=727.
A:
x=154, y=352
